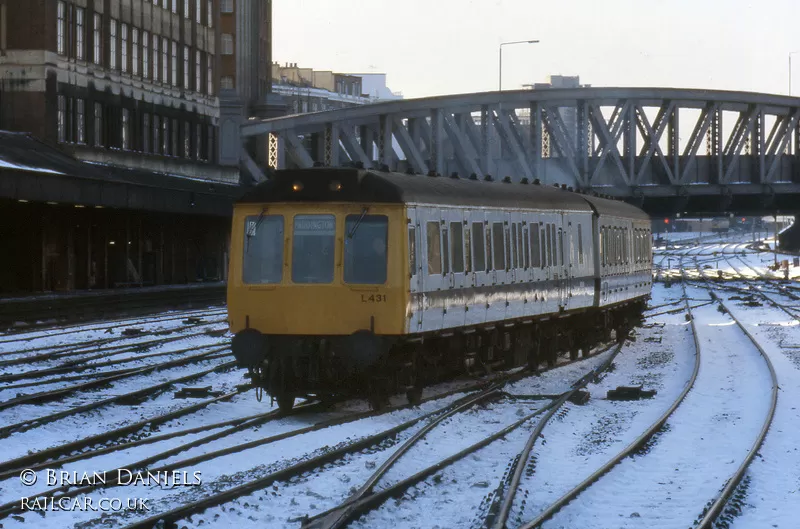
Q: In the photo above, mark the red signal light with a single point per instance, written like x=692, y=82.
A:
x=666, y=221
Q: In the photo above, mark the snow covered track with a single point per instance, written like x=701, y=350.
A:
x=636, y=445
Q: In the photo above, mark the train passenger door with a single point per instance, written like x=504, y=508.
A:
x=415, y=272
x=454, y=224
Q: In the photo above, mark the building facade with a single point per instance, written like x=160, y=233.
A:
x=123, y=82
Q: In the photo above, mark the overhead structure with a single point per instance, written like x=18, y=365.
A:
x=665, y=149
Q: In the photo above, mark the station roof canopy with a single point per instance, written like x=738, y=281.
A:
x=34, y=171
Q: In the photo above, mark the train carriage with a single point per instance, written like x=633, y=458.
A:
x=348, y=281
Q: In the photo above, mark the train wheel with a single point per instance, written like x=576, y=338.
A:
x=285, y=402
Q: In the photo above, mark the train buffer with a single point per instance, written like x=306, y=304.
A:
x=630, y=393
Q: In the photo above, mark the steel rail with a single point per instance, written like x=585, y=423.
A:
x=637, y=443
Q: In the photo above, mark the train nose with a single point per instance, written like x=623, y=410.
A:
x=250, y=348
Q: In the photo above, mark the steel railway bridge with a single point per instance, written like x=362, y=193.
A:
x=667, y=150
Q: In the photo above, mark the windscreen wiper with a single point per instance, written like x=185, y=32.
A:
x=353, y=231
x=250, y=234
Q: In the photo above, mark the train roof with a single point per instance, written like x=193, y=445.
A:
x=370, y=186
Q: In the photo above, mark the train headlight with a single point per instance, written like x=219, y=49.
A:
x=297, y=186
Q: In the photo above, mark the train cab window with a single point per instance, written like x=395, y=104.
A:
x=434, y=248
x=580, y=244
x=313, y=248
x=412, y=250
x=467, y=251
x=365, y=246
x=457, y=235
x=536, y=252
x=479, y=257
x=445, y=250
x=498, y=253
x=263, y=250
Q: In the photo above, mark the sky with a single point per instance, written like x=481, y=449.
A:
x=440, y=47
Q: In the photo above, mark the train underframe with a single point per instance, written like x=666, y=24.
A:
x=377, y=367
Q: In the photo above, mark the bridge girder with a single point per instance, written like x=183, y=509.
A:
x=621, y=141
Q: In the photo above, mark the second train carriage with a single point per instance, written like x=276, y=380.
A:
x=347, y=280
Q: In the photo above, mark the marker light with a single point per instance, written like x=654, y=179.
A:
x=297, y=186
x=335, y=186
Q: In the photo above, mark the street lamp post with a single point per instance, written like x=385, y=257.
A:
x=501, y=56
x=790, y=69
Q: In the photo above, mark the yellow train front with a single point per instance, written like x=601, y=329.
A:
x=346, y=281
x=317, y=284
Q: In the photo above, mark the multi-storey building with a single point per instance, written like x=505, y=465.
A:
x=123, y=82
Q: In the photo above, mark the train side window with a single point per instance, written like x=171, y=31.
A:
x=263, y=250
x=412, y=250
x=489, y=247
x=434, y=248
x=515, y=249
x=445, y=249
x=549, y=245
x=543, y=239
x=520, y=247
x=536, y=255
x=580, y=244
x=456, y=232
x=314, y=247
x=604, y=245
x=526, y=252
x=478, y=247
x=560, y=247
x=508, y=242
x=499, y=250
x=365, y=252
x=467, y=249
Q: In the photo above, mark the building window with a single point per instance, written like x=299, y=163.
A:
x=124, y=47
x=186, y=10
x=145, y=54
x=155, y=57
x=226, y=83
x=98, y=39
x=174, y=6
x=210, y=79
x=187, y=139
x=210, y=13
x=226, y=6
x=186, y=71
x=80, y=44
x=62, y=119
x=146, y=133
x=61, y=28
x=165, y=137
x=227, y=44
x=165, y=61
x=156, y=135
x=112, y=48
x=80, y=122
x=198, y=10
x=126, y=128
x=174, y=63
x=198, y=141
x=198, y=71
x=176, y=129
x=98, y=125
x=135, y=51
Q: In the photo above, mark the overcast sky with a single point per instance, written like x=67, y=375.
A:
x=438, y=47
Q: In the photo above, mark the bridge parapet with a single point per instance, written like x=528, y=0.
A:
x=648, y=144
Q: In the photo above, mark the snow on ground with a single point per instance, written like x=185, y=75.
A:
x=667, y=485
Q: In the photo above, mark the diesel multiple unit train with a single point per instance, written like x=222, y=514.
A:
x=352, y=281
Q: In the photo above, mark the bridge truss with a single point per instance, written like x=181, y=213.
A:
x=670, y=149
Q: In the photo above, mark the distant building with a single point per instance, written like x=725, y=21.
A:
x=568, y=114
x=123, y=82
x=374, y=87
